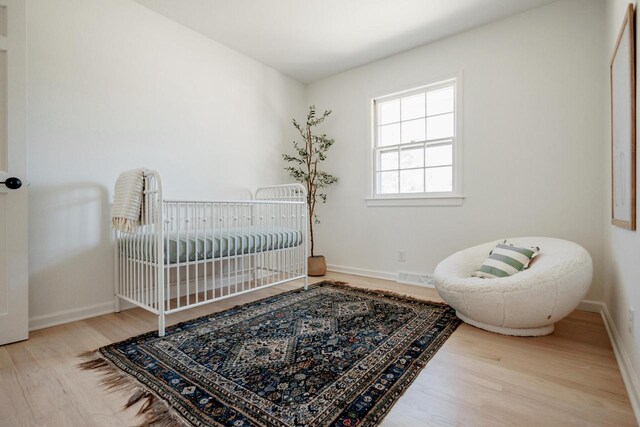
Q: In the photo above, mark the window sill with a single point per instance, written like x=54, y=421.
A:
x=444, y=200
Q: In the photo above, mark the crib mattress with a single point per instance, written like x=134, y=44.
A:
x=211, y=244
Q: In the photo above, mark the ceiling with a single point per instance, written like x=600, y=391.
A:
x=312, y=39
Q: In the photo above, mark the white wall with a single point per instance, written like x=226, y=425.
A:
x=622, y=247
x=532, y=114
x=111, y=86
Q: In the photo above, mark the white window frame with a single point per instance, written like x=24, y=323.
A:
x=450, y=198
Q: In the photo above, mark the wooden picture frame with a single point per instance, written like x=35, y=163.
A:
x=623, y=126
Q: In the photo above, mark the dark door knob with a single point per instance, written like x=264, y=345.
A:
x=12, y=183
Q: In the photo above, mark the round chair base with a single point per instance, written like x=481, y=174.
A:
x=517, y=332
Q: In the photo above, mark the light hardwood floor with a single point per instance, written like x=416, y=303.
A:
x=476, y=378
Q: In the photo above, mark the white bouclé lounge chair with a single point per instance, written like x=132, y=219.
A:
x=527, y=303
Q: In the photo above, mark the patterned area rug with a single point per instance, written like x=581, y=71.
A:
x=331, y=355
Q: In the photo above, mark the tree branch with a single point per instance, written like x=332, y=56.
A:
x=305, y=169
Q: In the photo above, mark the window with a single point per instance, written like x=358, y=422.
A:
x=414, y=147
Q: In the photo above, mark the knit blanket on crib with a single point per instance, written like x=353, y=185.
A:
x=128, y=200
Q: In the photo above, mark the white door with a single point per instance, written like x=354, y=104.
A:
x=14, y=275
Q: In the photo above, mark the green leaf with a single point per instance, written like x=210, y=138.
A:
x=304, y=165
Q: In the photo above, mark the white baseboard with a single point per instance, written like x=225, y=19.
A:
x=385, y=275
x=66, y=316
x=361, y=272
x=74, y=314
x=629, y=375
x=590, y=306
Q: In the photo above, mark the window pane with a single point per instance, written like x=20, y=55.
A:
x=439, y=179
x=440, y=126
x=413, y=107
x=388, y=112
x=388, y=182
x=389, y=135
x=413, y=131
x=440, y=101
x=412, y=158
x=440, y=155
x=388, y=160
x=412, y=181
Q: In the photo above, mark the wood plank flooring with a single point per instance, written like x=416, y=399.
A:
x=477, y=378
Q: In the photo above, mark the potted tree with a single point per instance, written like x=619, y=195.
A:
x=303, y=167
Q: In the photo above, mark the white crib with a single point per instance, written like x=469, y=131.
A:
x=189, y=253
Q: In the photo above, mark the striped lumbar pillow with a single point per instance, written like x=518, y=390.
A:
x=506, y=260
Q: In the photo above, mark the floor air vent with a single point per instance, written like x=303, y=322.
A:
x=418, y=279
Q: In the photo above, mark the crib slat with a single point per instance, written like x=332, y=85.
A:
x=189, y=249
x=177, y=268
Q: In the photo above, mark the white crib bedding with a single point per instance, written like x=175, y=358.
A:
x=212, y=244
